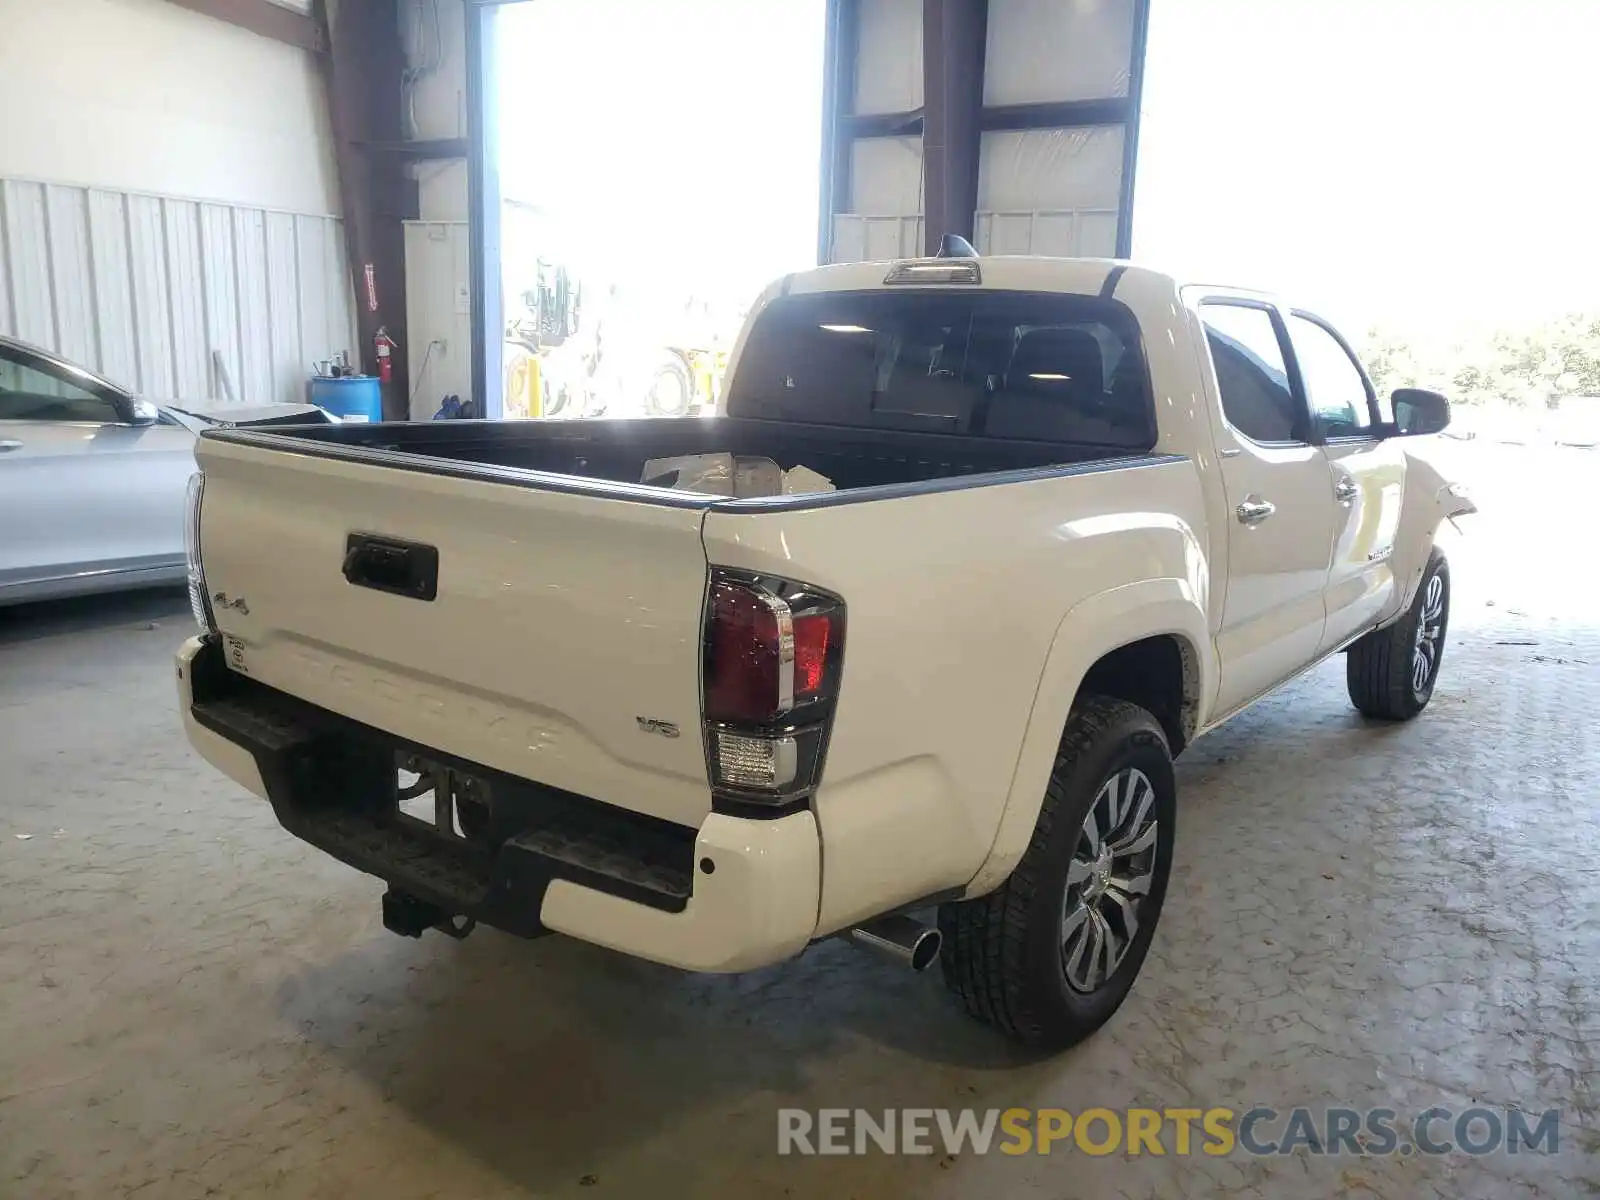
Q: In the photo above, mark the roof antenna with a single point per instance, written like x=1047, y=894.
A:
x=953, y=245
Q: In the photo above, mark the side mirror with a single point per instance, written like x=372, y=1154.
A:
x=136, y=412
x=1418, y=412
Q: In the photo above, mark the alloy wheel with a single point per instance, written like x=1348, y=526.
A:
x=1425, y=655
x=1108, y=879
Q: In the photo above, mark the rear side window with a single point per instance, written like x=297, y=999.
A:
x=1010, y=365
x=1251, y=373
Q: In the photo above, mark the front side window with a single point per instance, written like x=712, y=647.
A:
x=28, y=393
x=1335, y=389
x=1009, y=365
x=1251, y=373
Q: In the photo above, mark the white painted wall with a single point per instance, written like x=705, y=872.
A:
x=437, y=314
x=167, y=192
x=145, y=96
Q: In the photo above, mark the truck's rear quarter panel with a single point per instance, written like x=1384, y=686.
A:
x=955, y=598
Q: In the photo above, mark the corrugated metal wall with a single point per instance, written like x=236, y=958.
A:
x=154, y=291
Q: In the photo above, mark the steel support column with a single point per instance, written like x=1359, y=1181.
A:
x=953, y=36
x=362, y=70
x=1130, y=126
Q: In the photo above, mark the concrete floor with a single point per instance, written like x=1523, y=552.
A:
x=192, y=1003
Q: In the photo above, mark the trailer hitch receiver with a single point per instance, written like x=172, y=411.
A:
x=408, y=916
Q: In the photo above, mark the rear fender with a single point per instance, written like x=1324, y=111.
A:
x=1092, y=629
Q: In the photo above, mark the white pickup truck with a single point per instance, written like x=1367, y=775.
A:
x=1081, y=515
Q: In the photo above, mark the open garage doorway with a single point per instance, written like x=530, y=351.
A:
x=1414, y=171
x=658, y=166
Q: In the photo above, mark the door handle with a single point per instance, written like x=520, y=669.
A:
x=1345, y=490
x=9, y=444
x=1253, y=510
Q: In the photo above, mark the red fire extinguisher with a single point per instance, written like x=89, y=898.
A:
x=383, y=343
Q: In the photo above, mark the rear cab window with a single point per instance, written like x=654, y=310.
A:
x=993, y=364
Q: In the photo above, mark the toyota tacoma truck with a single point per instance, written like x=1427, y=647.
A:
x=1081, y=514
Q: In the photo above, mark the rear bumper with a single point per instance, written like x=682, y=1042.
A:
x=621, y=881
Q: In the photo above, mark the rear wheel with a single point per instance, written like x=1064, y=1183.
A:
x=1051, y=955
x=1391, y=672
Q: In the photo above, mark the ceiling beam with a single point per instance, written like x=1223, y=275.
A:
x=265, y=18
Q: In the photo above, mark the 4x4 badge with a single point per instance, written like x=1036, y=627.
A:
x=665, y=729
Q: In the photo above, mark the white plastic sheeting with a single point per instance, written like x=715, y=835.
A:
x=1050, y=191
x=1046, y=191
x=1047, y=50
x=155, y=291
x=889, y=56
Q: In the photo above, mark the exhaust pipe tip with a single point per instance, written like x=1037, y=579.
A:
x=926, y=950
x=899, y=939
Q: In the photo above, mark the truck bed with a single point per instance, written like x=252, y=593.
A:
x=615, y=451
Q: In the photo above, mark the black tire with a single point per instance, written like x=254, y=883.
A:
x=1004, y=955
x=1381, y=670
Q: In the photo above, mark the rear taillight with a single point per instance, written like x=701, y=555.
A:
x=811, y=637
x=773, y=653
x=199, y=601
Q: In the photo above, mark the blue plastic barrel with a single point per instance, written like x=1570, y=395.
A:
x=350, y=398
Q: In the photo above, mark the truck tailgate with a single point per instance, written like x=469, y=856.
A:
x=562, y=644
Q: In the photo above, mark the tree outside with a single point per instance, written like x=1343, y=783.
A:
x=1527, y=368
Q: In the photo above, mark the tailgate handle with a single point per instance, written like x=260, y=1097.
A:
x=390, y=565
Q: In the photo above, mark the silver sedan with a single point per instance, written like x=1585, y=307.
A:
x=92, y=478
